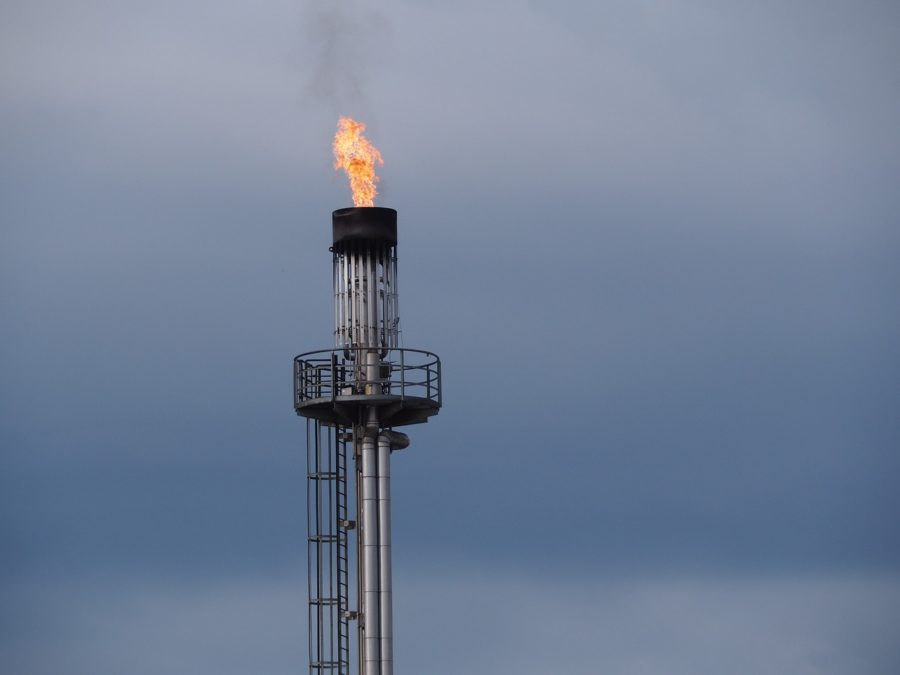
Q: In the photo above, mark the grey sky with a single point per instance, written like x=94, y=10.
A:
x=655, y=244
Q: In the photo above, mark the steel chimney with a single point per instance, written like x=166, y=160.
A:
x=354, y=396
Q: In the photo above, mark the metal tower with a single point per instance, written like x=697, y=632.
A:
x=353, y=397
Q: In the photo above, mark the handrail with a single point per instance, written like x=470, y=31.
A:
x=330, y=374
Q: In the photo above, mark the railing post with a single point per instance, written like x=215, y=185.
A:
x=440, y=388
x=301, y=380
x=402, y=375
x=333, y=369
x=317, y=383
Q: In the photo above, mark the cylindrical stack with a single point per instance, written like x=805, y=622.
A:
x=361, y=390
x=366, y=326
x=365, y=278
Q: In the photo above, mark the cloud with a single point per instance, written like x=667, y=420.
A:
x=478, y=621
x=657, y=626
x=144, y=629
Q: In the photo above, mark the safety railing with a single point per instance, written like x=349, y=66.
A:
x=336, y=373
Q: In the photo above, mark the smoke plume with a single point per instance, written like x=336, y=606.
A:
x=344, y=39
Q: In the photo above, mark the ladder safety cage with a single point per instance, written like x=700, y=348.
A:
x=328, y=557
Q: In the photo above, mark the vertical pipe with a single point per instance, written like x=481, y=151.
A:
x=379, y=291
x=351, y=295
x=338, y=301
x=385, y=298
x=358, y=285
x=367, y=267
x=384, y=556
x=337, y=294
x=371, y=289
x=372, y=367
x=342, y=276
x=356, y=289
x=359, y=288
x=395, y=298
x=358, y=433
x=360, y=295
x=345, y=305
x=348, y=309
x=371, y=643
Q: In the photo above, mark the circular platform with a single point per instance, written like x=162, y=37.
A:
x=330, y=385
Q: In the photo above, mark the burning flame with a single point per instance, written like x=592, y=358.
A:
x=357, y=156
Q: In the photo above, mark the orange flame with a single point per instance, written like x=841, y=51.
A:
x=357, y=156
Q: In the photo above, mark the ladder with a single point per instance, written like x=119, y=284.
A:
x=327, y=548
x=344, y=438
